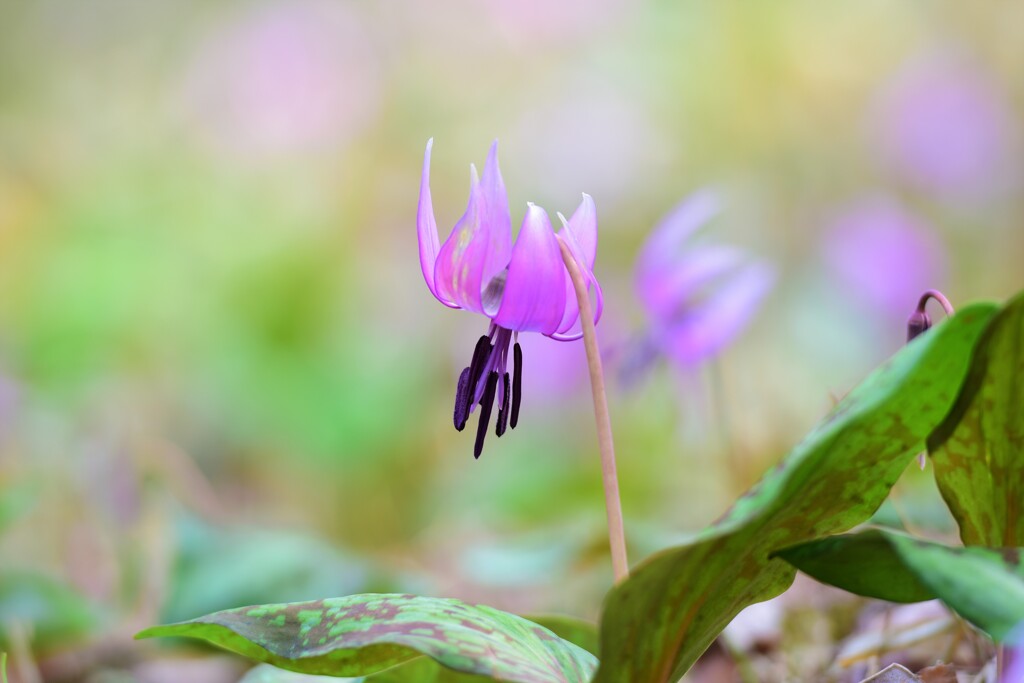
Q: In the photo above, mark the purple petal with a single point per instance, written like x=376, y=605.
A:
x=662, y=248
x=478, y=249
x=564, y=334
x=706, y=329
x=1013, y=665
x=426, y=229
x=534, y=293
x=580, y=235
x=663, y=292
x=496, y=217
x=458, y=272
x=583, y=228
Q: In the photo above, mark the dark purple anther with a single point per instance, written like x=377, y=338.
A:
x=503, y=410
x=517, y=384
x=476, y=366
x=462, y=400
x=485, y=413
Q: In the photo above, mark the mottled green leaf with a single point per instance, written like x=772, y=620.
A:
x=362, y=634
x=657, y=623
x=983, y=585
x=577, y=631
x=978, y=451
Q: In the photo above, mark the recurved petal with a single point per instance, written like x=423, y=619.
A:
x=426, y=229
x=705, y=330
x=665, y=241
x=583, y=228
x=534, y=295
x=496, y=216
x=664, y=291
x=580, y=234
x=459, y=269
x=574, y=331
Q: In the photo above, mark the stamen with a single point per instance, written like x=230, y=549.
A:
x=485, y=413
x=479, y=362
x=462, y=400
x=517, y=383
x=499, y=428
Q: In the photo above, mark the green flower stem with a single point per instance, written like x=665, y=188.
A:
x=606, y=445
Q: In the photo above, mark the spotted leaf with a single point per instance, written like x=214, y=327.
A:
x=978, y=451
x=674, y=604
x=363, y=634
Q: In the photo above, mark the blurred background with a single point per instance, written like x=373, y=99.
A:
x=223, y=380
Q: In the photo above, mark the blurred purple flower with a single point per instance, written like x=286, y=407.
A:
x=288, y=76
x=525, y=288
x=883, y=255
x=1013, y=663
x=944, y=125
x=698, y=298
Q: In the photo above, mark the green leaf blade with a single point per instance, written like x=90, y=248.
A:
x=863, y=564
x=978, y=451
x=659, y=621
x=363, y=634
x=983, y=585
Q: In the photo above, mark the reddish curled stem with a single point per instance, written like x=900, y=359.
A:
x=937, y=296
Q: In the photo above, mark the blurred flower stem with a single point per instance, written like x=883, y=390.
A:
x=606, y=445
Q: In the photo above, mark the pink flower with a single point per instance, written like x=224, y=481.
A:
x=521, y=288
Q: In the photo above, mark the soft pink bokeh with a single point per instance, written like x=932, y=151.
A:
x=882, y=255
x=283, y=77
x=943, y=124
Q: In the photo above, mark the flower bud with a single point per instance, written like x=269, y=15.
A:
x=917, y=323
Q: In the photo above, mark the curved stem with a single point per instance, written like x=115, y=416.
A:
x=616, y=532
x=938, y=296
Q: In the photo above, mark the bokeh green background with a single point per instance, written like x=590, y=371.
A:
x=223, y=380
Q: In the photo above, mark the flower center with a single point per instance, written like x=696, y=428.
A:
x=479, y=385
x=491, y=296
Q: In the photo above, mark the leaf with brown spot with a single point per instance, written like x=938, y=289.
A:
x=674, y=604
x=360, y=635
x=978, y=451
